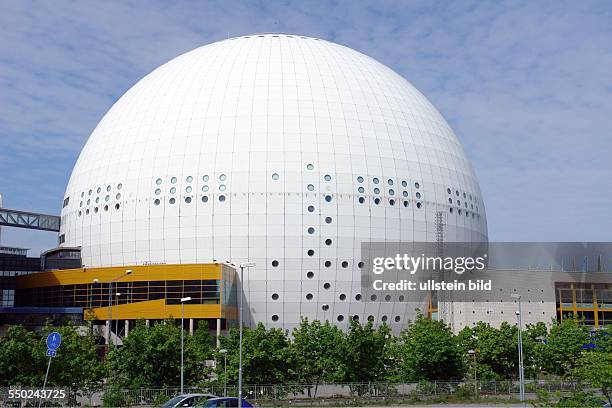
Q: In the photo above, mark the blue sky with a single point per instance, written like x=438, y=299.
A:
x=527, y=87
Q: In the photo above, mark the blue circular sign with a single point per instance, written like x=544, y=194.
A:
x=54, y=339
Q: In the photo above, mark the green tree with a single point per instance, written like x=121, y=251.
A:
x=365, y=352
x=430, y=351
x=77, y=364
x=594, y=368
x=318, y=352
x=151, y=356
x=266, y=356
x=17, y=367
x=563, y=346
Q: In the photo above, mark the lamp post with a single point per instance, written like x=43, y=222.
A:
x=224, y=352
x=520, y=348
x=110, y=303
x=183, y=300
x=242, y=266
x=117, y=320
x=473, y=353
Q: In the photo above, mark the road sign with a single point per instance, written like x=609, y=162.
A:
x=51, y=353
x=54, y=340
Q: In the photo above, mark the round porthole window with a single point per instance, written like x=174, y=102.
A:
x=448, y=190
x=156, y=201
x=327, y=177
x=188, y=189
x=405, y=193
x=172, y=190
x=328, y=220
x=377, y=191
x=205, y=177
x=361, y=200
x=328, y=264
x=204, y=188
x=117, y=206
x=106, y=208
x=310, y=166
x=360, y=179
x=222, y=177
x=405, y=203
x=417, y=185
x=375, y=180
x=187, y=200
x=361, y=190
x=342, y=296
x=358, y=296
x=356, y=318
x=392, y=202
x=275, y=318
x=397, y=319
x=340, y=318
x=373, y=298
x=418, y=195
x=118, y=196
x=328, y=241
x=344, y=264
x=309, y=296
x=173, y=180
x=108, y=188
x=310, y=187
x=95, y=209
x=189, y=179
x=377, y=201
x=311, y=230
x=325, y=307
x=310, y=275
x=387, y=298
x=384, y=318
x=275, y=296
x=404, y=184
x=418, y=205
x=328, y=198
x=158, y=181
x=275, y=263
x=391, y=192
x=275, y=176
x=311, y=252
x=172, y=200
x=222, y=198
x=222, y=187
x=204, y=199
x=360, y=264
x=390, y=182
x=326, y=285
x=311, y=208
x=157, y=191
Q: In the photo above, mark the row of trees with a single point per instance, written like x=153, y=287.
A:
x=314, y=353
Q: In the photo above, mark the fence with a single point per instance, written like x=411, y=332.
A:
x=312, y=394
x=295, y=393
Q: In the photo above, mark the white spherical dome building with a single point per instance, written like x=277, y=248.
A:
x=283, y=150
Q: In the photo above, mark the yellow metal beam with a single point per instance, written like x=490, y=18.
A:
x=139, y=273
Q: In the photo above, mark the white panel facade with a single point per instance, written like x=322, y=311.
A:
x=283, y=150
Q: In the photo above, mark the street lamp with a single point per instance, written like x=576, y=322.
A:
x=117, y=320
x=224, y=352
x=242, y=266
x=520, y=348
x=473, y=353
x=110, y=302
x=183, y=300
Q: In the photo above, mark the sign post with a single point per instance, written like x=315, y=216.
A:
x=54, y=339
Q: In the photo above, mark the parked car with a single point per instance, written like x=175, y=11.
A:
x=224, y=402
x=187, y=400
